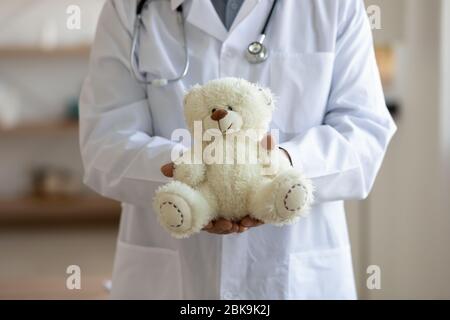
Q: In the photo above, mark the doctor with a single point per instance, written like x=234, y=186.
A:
x=333, y=124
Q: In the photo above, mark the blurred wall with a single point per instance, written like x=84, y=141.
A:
x=26, y=23
x=445, y=96
x=404, y=226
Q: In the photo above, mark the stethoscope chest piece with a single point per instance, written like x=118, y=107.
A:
x=256, y=52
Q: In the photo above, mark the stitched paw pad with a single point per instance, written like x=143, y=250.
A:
x=293, y=197
x=296, y=197
x=175, y=213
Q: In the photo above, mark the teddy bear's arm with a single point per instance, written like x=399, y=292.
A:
x=274, y=162
x=191, y=174
x=188, y=170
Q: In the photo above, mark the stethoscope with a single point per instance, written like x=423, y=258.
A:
x=256, y=51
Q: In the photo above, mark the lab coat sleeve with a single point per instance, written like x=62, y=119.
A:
x=343, y=155
x=121, y=157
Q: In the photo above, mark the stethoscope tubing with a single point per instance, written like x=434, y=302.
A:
x=252, y=58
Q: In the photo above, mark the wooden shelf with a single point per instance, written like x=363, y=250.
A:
x=35, y=209
x=48, y=287
x=41, y=128
x=14, y=52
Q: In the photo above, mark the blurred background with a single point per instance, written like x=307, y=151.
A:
x=49, y=220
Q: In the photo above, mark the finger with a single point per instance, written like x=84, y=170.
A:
x=232, y=230
x=250, y=222
x=235, y=227
x=218, y=230
x=223, y=225
x=209, y=226
x=167, y=169
x=268, y=142
x=242, y=229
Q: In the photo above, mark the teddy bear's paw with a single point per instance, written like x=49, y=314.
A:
x=175, y=214
x=293, y=196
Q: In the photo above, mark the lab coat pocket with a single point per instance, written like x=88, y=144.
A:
x=146, y=273
x=325, y=274
x=301, y=83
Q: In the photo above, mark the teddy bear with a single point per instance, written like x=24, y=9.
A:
x=234, y=170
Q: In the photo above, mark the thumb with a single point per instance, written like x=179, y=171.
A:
x=268, y=142
x=168, y=169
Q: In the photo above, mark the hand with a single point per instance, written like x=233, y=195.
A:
x=168, y=169
x=224, y=226
x=268, y=142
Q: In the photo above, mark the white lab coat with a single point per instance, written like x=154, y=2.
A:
x=332, y=118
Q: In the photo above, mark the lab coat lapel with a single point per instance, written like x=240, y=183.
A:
x=174, y=4
x=244, y=11
x=201, y=13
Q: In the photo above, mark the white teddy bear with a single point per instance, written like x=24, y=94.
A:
x=230, y=176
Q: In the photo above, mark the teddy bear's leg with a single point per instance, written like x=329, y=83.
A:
x=183, y=210
x=283, y=199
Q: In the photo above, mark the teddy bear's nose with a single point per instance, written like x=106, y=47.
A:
x=219, y=114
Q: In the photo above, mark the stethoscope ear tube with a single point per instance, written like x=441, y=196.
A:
x=141, y=77
x=133, y=59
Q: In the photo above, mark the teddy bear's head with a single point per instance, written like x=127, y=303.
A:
x=229, y=105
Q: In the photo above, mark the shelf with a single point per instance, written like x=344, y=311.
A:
x=52, y=287
x=41, y=128
x=14, y=52
x=76, y=208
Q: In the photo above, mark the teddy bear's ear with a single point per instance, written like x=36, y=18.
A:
x=193, y=92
